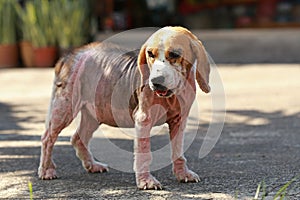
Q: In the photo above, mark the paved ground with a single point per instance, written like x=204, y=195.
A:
x=259, y=142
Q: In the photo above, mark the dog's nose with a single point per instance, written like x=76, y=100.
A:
x=159, y=87
x=158, y=80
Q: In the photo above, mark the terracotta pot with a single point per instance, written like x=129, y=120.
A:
x=44, y=56
x=26, y=53
x=9, y=55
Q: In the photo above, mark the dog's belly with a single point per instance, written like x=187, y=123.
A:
x=117, y=107
x=112, y=116
x=122, y=119
x=115, y=102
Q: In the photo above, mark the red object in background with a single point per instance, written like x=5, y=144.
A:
x=108, y=24
x=243, y=21
x=266, y=11
x=186, y=7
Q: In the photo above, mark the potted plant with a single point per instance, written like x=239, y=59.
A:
x=8, y=34
x=72, y=19
x=39, y=32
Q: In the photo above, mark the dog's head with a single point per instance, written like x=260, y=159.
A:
x=166, y=60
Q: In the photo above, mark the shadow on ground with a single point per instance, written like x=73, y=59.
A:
x=8, y=121
x=14, y=121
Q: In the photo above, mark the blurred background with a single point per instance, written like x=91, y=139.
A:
x=194, y=14
x=33, y=29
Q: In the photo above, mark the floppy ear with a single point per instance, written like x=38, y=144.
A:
x=203, y=66
x=142, y=65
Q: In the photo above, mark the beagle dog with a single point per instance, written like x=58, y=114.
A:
x=140, y=89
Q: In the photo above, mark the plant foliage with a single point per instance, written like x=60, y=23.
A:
x=8, y=22
x=37, y=23
x=55, y=22
x=72, y=18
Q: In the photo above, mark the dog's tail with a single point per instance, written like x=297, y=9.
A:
x=62, y=71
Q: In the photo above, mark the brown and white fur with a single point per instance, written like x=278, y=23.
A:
x=160, y=73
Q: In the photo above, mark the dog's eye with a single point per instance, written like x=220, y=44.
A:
x=174, y=55
x=150, y=54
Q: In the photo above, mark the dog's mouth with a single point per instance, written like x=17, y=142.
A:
x=163, y=93
x=161, y=90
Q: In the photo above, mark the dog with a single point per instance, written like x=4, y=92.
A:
x=140, y=89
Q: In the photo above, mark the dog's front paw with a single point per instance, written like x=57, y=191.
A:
x=96, y=167
x=187, y=176
x=147, y=182
x=47, y=174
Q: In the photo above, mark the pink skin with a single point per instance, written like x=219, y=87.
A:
x=144, y=120
x=80, y=142
x=60, y=118
x=180, y=169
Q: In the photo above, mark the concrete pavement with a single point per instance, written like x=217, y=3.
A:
x=259, y=142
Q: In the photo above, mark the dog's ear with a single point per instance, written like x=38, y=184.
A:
x=142, y=64
x=203, y=66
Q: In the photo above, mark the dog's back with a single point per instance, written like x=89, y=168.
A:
x=98, y=76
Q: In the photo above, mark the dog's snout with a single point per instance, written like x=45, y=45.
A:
x=158, y=83
x=158, y=80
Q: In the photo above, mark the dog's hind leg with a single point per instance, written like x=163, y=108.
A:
x=60, y=115
x=80, y=142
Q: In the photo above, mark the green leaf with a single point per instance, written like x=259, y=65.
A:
x=30, y=190
x=282, y=191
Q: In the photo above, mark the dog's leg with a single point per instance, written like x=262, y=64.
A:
x=142, y=153
x=80, y=142
x=60, y=116
x=180, y=169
